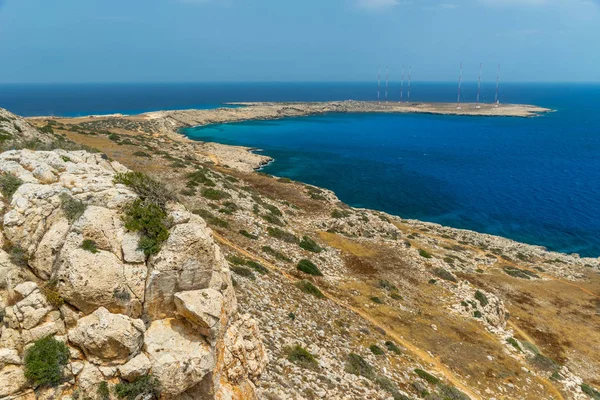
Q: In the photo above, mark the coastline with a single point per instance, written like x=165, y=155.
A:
x=247, y=159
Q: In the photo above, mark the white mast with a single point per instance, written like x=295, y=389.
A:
x=409, y=71
x=386, y=83
x=479, y=84
x=378, y=82
x=402, y=85
x=459, y=84
x=497, y=99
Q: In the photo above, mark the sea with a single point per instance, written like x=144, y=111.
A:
x=534, y=180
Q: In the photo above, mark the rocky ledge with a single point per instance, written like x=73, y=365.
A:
x=71, y=272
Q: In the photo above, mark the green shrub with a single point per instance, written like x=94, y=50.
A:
x=309, y=288
x=376, y=300
x=144, y=387
x=149, y=219
x=272, y=209
x=9, y=184
x=545, y=363
x=90, y=246
x=590, y=391
x=389, y=386
x=378, y=351
x=102, y=392
x=49, y=290
x=17, y=255
x=427, y=376
x=519, y=273
x=45, y=361
x=477, y=314
x=396, y=296
x=149, y=190
x=339, y=214
x=243, y=271
x=481, y=298
x=299, y=355
x=451, y=393
x=211, y=219
x=282, y=235
x=275, y=253
x=214, y=194
x=308, y=267
x=72, y=207
x=425, y=254
x=514, y=343
x=391, y=346
x=358, y=366
x=272, y=219
x=309, y=244
x=444, y=274
x=236, y=260
x=141, y=154
x=257, y=267
x=229, y=208
x=247, y=234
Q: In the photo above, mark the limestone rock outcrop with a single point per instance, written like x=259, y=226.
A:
x=122, y=314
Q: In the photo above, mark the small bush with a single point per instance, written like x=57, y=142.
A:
x=272, y=219
x=257, y=267
x=214, y=194
x=445, y=275
x=51, y=293
x=247, y=234
x=102, y=391
x=211, y=219
x=590, y=391
x=17, y=255
x=9, y=184
x=309, y=288
x=376, y=300
x=481, y=298
x=545, y=363
x=275, y=253
x=425, y=254
x=427, y=376
x=90, y=246
x=309, y=244
x=396, y=296
x=477, y=314
x=358, y=366
x=72, y=207
x=229, y=208
x=389, y=386
x=520, y=273
x=339, y=214
x=144, y=387
x=141, y=154
x=149, y=190
x=514, y=343
x=282, y=235
x=391, y=346
x=243, y=271
x=45, y=361
x=301, y=356
x=378, y=351
x=308, y=267
x=451, y=393
x=149, y=219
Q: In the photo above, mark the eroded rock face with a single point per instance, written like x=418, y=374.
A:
x=108, y=338
x=171, y=344
x=184, y=292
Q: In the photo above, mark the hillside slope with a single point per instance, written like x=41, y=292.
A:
x=358, y=304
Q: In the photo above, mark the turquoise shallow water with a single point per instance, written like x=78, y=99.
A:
x=533, y=180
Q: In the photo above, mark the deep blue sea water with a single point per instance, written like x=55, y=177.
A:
x=534, y=180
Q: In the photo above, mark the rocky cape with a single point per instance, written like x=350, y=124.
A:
x=123, y=315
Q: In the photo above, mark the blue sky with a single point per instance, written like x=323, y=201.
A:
x=308, y=40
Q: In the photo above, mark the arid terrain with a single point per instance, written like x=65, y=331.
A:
x=358, y=304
